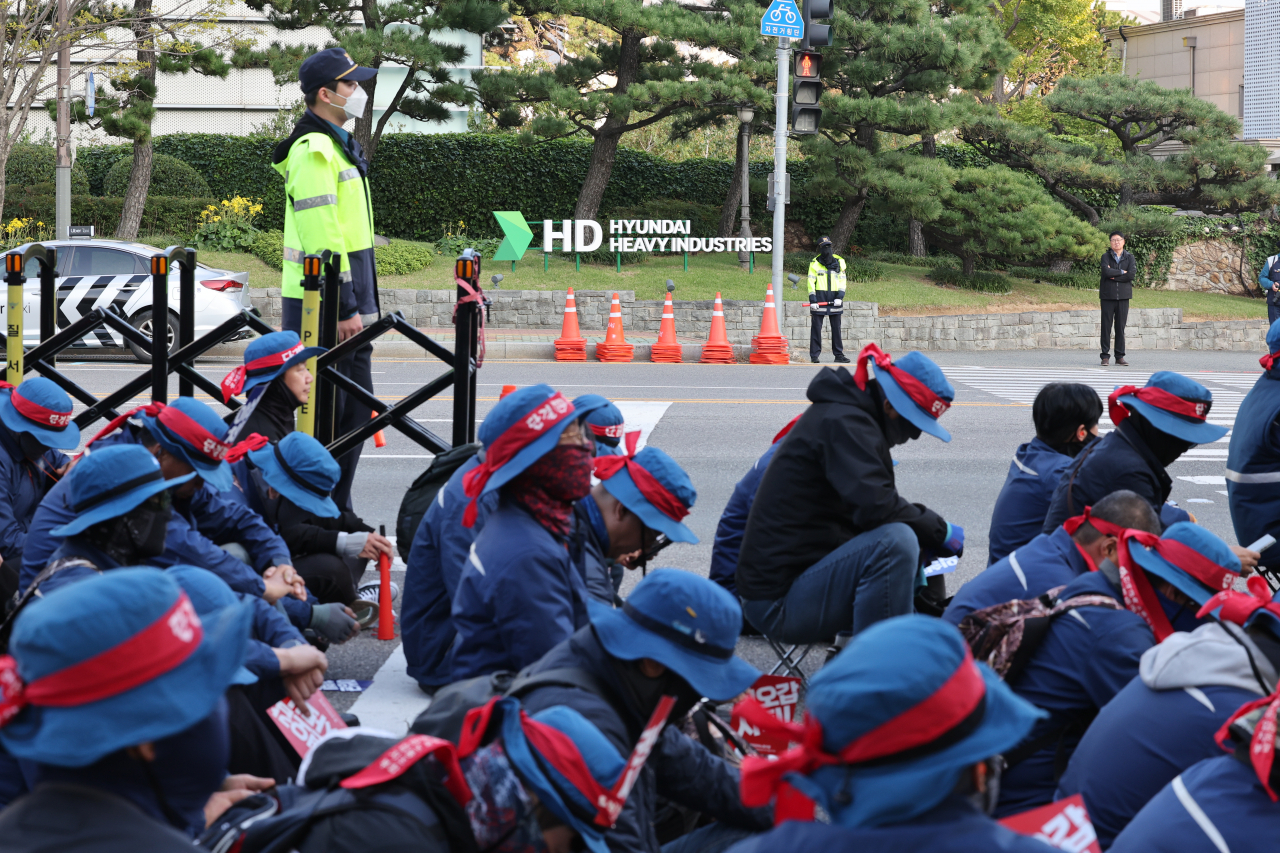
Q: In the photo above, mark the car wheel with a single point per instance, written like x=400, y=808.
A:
x=142, y=322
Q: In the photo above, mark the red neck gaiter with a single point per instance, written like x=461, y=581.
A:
x=549, y=487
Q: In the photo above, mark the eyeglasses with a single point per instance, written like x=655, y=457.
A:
x=652, y=549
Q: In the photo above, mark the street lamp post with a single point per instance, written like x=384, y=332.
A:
x=745, y=115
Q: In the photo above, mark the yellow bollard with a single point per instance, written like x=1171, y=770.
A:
x=14, y=352
x=310, y=336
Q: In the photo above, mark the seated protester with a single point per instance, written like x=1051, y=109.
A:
x=275, y=381
x=439, y=551
x=1088, y=654
x=522, y=589
x=733, y=521
x=605, y=424
x=1076, y=548
x=674, y=636
x=1163, y=722
x=515, y=783
x=114, y=692
x=1220, y=804
x=637, y=499
x=887, y=778
x=1066, y=418
x=330, y=548
x=35, y=424
x=1155, y=425
x=839, y=548
x=1253, y=455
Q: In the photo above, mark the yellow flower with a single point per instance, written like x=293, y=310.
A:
x=40, y=224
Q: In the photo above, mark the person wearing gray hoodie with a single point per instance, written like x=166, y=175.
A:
x=1164, y=721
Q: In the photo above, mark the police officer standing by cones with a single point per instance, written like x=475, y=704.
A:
x=328, y=207
x=826, y=299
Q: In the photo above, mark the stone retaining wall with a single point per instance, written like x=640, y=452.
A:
x=1148, y=328
x=1210, y=265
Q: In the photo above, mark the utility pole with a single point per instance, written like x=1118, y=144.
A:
x=62, y=175
x=780, y=173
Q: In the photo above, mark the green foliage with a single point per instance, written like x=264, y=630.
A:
x=402, y=257
x=704, y=219
x=162, y=213
x=983, y=282
x=902, y=259
x=31, y=164
x=268, y=247
x=169, y=176
x=603, y=256
x=229, y=226
x=856, y=269
x=97, y=160
x=1081, y=279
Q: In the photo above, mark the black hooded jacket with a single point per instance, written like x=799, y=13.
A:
x=830, y=479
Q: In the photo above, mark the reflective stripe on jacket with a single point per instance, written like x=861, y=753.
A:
x=827, y=285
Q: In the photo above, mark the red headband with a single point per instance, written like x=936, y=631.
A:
x=1106, y=528
x=517, y=437
x=1262, y=749
x=1269, y=359
x=927, y=721
x=233, y=382
x=393, y=764
x=1140, y=595
x=613, y=431
x=782, y=433
x=1158, y=397
x=1237, y=607
x=35, y=412
x=922, y=395
x=159, y=648
x=651, y=489
x=205, y=443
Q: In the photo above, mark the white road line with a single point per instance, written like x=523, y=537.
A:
x=394, y=700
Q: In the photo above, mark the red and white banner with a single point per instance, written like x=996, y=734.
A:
x=1064, y=825
x=305, y=732
x=779, y=694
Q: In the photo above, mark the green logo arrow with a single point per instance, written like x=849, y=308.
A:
x=517, y=235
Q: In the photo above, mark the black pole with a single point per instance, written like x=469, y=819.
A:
x=326, y=398
x=49, y=298
x=186, y=313
x=160, y=329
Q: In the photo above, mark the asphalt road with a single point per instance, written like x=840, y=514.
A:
x=716, y=421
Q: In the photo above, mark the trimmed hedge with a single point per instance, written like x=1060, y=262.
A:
x=856, y=269
x=268, y=247
x=97, y=160
x=1079, y=280
x=984, y=282
x=169, y=176
x=903, y=259
x=163, y=214
x=399, y=258
x=31, y=164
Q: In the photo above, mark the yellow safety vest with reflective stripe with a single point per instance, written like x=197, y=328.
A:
x=327, y=207
x=827, y=285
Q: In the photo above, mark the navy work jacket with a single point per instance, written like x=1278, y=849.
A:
x=1024, y=499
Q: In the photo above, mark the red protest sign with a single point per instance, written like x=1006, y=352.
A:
x=1064, y=825
x=611, y=802
x=305, y=732
x=779, y=694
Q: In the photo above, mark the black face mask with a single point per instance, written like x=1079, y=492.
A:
x=643, y=693
x=138, y=534
x=32, y=449
x=1073, y=448
x=899, y=430
x=1166, y=448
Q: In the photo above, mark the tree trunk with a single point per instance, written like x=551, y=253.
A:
x=969, y=264
x=918, y=247
x=1062, y=265
x=842, y=233
x=363, y=129
x=605, y=149
x=135, y=197
x=1126, y=194
x=732, y=210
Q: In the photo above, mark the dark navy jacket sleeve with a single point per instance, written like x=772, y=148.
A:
x=271, y=626
x=1024, y=500
x=54, y=511
x=19, y=493
x=183, y=546
x=223, y=520
x=261, y=660
x=733, y=523
x=690, y=775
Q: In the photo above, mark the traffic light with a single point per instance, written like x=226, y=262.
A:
x=816, y=35
x=806, y=115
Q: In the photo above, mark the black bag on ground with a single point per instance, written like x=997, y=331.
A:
x=424, y=490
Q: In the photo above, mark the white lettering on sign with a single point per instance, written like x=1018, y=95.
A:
x=1070, y=830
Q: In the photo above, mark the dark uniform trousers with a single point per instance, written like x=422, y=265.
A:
x=1116, y=310
x=815, y=335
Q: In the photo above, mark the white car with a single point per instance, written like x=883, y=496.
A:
x=96, y=273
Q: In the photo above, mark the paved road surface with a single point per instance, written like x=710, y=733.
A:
x=716, y=421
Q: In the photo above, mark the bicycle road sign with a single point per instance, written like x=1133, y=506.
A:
x=782, y=19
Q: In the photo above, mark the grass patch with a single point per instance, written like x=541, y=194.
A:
x=983, y=282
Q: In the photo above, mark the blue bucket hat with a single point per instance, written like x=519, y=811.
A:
x=907, y=687
x=42, y=409
x=1188, y=575
x=1153, y=402
x=209, y=465
x=605, y=421
x=660, y=492
x=265, y=358
x=1273, y=337
x=110, y=482
x=301, y=469
x=209, y=595
x=684, y=622
x=915, y=387
x=72, y=645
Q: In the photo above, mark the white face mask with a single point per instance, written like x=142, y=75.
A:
x=355, y=104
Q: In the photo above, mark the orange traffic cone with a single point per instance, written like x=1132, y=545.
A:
x=571, y=345
x=666, y=350
x=615, y=347
x=770, y=346
x=379, y=437
x=509, y=389
x=386, y=615
x=717, y=350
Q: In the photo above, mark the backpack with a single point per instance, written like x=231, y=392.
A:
x=418, y=499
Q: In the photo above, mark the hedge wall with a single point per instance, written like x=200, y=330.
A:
x=162, y=214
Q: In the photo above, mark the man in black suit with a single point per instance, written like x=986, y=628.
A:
x=1115, y=291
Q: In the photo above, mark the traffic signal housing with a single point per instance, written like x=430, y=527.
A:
x=816, y=35
x=806, y=90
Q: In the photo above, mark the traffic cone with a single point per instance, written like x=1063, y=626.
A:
x=770, y=346
x=510, y=389
x=717, y=349
x=379, y=437
x=386, y=616
x=615, y=347
x=571, y=345
x=666, y=350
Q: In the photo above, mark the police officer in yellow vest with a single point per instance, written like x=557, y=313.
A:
x=826, y=299
x=328, y=207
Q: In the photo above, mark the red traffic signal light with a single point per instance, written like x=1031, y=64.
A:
x=808, y=66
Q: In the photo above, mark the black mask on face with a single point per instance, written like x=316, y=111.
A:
x=1073, y=448
x=1166, y=448
x=643, y=693
x=32, y=449
x=138, y=534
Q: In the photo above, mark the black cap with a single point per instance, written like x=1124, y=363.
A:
x=824, y=241
x=329, y=65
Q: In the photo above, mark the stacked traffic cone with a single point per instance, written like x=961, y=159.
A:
x=666, y=350
x=615, y=347
x=571, y=345
x=770, y=346
x=717, y=350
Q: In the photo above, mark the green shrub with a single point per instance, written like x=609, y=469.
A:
x=984, y=282
x=97, y=160
x=856, y=269
x=402, y=257
x=162, y=214
x=604, y=257
x=169, y=176
x=31, y=164
x=228, y=226
x=704, y=219
x=451, y=245
x=268, y=247
x=1077, y=279
x=902, y=259
x=798, y=262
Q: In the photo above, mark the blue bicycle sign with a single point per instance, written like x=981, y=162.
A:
x=782, y=19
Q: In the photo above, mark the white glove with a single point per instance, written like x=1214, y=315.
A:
x=837, y=303
x=351, y=544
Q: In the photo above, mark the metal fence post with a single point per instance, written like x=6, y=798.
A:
x=465, y=348
x=49, y=298
x=310, y=336
x=326, y=394
x=14, y=278
x=186, y=313
x=160, y=329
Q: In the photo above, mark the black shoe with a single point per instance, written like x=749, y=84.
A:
x=352, y=721
x=841, y=360
x=814, y=360
x=1120, y=362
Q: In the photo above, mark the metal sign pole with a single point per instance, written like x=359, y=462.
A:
x=326, y=394
x=780, y=175
x=186, y=313
x=49, y=299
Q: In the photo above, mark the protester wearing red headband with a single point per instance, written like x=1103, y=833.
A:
x=275, y=381
x=838, y=548
x=1090, y=653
